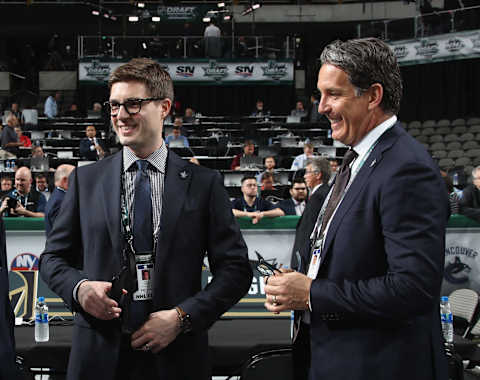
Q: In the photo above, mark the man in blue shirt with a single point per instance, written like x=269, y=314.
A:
x=251, y=206
x=177, y=138
x=51, y=107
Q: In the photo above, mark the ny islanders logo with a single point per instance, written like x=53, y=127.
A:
x=23, y=284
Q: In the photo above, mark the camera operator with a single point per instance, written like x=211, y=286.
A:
x=23, y=200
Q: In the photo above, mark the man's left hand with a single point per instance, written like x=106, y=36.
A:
x=20, y=210
x=157, y=332
x=287, y=291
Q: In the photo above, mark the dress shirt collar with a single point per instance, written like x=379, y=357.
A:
x=316, y=188
x=371, y=137
x=158, y=158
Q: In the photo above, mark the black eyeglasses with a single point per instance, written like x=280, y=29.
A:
x=264, y=267
x=132, y=106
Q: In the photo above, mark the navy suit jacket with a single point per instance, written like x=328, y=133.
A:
x=7, y=339
x=52, y=208
x=287, y=206
x=86, y=152
x=375, y=301
x=196, y=218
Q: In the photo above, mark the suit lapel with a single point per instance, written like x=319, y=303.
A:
x=177, y=181
x=385, y=142
x=111, y=200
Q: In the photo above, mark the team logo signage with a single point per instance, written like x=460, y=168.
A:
x=215, y=70
x=274, y=70
x=23, y=284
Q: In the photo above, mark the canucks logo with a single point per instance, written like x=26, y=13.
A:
x=427, y=48
x=400, y=51
x=454, y=44
x=456, y=271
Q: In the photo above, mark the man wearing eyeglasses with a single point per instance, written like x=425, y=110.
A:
x=144, y=326
x=296, y=204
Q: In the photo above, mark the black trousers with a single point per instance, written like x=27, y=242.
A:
x=135, y=364
x=301, y=353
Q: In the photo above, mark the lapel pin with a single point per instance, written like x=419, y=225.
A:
x=373, y=163
x=183, y=174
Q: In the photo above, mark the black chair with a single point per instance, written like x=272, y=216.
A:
x=275, y=364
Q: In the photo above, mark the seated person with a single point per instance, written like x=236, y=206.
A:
x=91, y=148
x=296, y=204
x=470, y=202
x=248, y=150
x=259, y=110
x=300, y=161
x=178, y=122
x=267, y=181
x=189, y=116
x=15, y=111
x=176, y=139
x=96, y=111
x=269, y=165
x=25, y=140
x=9, y=138
x=73, y=111
x=26, y=201
x=42, y=185
x=37, y=151
x=299, y=110
x=6, y=185
x=252, y=206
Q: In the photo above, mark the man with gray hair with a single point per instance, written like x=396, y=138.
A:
x=61, y=186
x=470, y=200
x=367, y=287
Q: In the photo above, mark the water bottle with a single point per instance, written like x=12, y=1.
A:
x=447, y=320
x=41, y=321
x=455, y=179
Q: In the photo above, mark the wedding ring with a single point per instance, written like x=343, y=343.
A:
x=146, y=347
x=274, y=300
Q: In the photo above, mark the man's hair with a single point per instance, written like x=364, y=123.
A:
x=6, y=179
x=308, y=145
x=320, y=165
x=40, y=176
x=265, y=159
x=176, y=127
x=13, y=118
x=367, y=61
x=88, y=126
x=247, y=176
x=158, y=82
x=248, y=142
x=297, y=180
x=61, y=172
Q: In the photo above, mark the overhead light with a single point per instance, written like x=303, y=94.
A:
x=113, y=18
x=106, y=15
x=141, y=5
x=221, y=4
x=156, y=19
x=144, y=45
x=206, y=19
x=256, y=6
x=227, y=17
x=133, y=18
x=95, y=12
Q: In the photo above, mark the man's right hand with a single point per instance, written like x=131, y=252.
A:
x=92, y=296
x=4, y=205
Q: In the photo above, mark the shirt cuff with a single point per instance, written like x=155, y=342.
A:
x=92, y=147
x=75, y=290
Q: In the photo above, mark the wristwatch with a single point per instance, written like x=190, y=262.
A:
x=185, y=321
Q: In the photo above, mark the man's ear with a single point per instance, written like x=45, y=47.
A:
x=375, y=95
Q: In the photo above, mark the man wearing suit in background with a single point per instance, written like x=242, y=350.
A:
x=296, y=204
x=144, y=198
x=61, y=186
x=374, y=266
x=91, y=148
x=8, y=369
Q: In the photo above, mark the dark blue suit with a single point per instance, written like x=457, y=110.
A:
x=196, y=218
x=86, y=152
x=287, y=206
x=375, y=300
x=52, y=208
x=7, y=339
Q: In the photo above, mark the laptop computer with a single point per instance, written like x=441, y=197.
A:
x=39, y=164
x=251, y=162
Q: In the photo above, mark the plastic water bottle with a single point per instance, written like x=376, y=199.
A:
x=455, y=179
x=447, y=320
x=41, y=321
